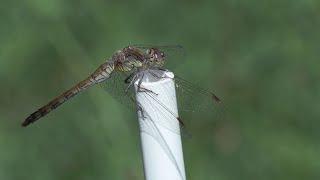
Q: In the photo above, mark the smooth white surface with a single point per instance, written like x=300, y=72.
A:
x=159, y=128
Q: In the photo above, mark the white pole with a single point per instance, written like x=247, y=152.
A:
x=159, y=127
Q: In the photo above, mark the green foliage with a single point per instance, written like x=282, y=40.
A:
x=260, y=57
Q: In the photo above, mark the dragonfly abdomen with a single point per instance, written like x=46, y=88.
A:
x=101, y=74
x=58, y=101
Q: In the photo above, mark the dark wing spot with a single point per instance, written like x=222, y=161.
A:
x=215, y=98
x=180, y=121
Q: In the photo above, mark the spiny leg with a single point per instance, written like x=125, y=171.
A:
x=142, y=89
x=133, y=77
x=130, y=80
x=140, y=109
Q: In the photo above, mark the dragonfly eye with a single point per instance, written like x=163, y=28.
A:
x=150, y=53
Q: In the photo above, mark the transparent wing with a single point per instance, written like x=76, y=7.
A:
x=168, y=119
x=195, y=103
x=117, y=87
x=150, y=127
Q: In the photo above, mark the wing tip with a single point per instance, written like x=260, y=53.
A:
x=215, y=98
x=180, y=122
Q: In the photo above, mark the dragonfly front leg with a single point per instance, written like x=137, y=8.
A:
x=130, y=80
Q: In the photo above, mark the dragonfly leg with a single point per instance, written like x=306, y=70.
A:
x=139, y=109
x=160, y=77
x=142, y=89
x=129, y=78
x=155, y=75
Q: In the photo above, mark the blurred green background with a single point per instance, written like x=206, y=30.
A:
x=260, y=57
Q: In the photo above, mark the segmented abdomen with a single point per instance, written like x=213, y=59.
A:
x=101, y=74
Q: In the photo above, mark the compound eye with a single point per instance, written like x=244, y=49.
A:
x=162, y=54
x=151, y=57
x=151, y=51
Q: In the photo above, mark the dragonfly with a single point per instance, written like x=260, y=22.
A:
x=120, y=72
x=133, y=60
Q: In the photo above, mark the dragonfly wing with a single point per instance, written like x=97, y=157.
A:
x=164, y=116
x=117, y=88
x=193, y=103
x=198, y=103
x=148, y=126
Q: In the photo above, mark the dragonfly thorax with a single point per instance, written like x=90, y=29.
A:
x=154, y=57
x=132, y=58
x=128, y=65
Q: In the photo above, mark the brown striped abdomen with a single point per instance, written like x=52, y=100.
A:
x=100, y=75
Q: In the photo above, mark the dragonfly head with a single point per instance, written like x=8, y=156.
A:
x=155, y=57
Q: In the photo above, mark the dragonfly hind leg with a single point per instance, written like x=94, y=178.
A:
x=140, y=109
